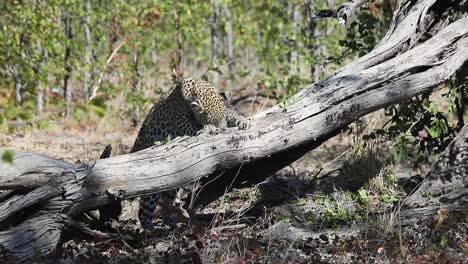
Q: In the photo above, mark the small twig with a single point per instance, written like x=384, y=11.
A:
x=251, y=97
x=194, y=197
x=106, y=152
x=98, y=234
x=343, y=12
x=125, y=242
x=221, y=228
x=101, y=76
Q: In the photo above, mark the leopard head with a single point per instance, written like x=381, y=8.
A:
x=207, y=104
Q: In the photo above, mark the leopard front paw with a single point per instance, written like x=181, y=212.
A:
x=243, y=124
x=210, y=130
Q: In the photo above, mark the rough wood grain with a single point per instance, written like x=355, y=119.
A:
x=311, y=115
x=40, y=232
x=419, y=52
x=445, y=187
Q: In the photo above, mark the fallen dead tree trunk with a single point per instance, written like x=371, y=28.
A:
x=278, y=136
x=400, y=67
x=40, y=233
x=320, y=109
x=445, y=187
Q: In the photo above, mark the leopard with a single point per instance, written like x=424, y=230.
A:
x=193, y=107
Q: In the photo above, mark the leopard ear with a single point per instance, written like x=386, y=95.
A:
x=196, y=107
x=226, y=95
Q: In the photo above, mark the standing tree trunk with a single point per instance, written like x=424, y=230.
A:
x=229, y=39
x=310, y=32
x=136, y=87
x=67, y=82
x=18, y=85
x=16, y=73
x=40, y=83
x=215, y=40
x=90, y=74
x=177, y=57
x=293, y=56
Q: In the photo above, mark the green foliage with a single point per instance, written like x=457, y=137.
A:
x=166, y=140
x=428, y=194
x=98, y=106
x=136, y=99
x=389, y=199
x=362, y=196
x=43, y=124
x=444, y=240
x=364, y=33
x=79, y=112
x=301, y=202
x=273, y=44
x=401, y=145
x=338, y=215
x=7, y=156
x=417, y=125
x=32, y=50
x=420, y=124
x=334, y=209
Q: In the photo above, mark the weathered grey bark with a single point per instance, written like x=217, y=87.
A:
x=400, y=67
x=112, y=210
x=285, y=231
x=278, y=135
x=40, y=233
x=447, y=182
